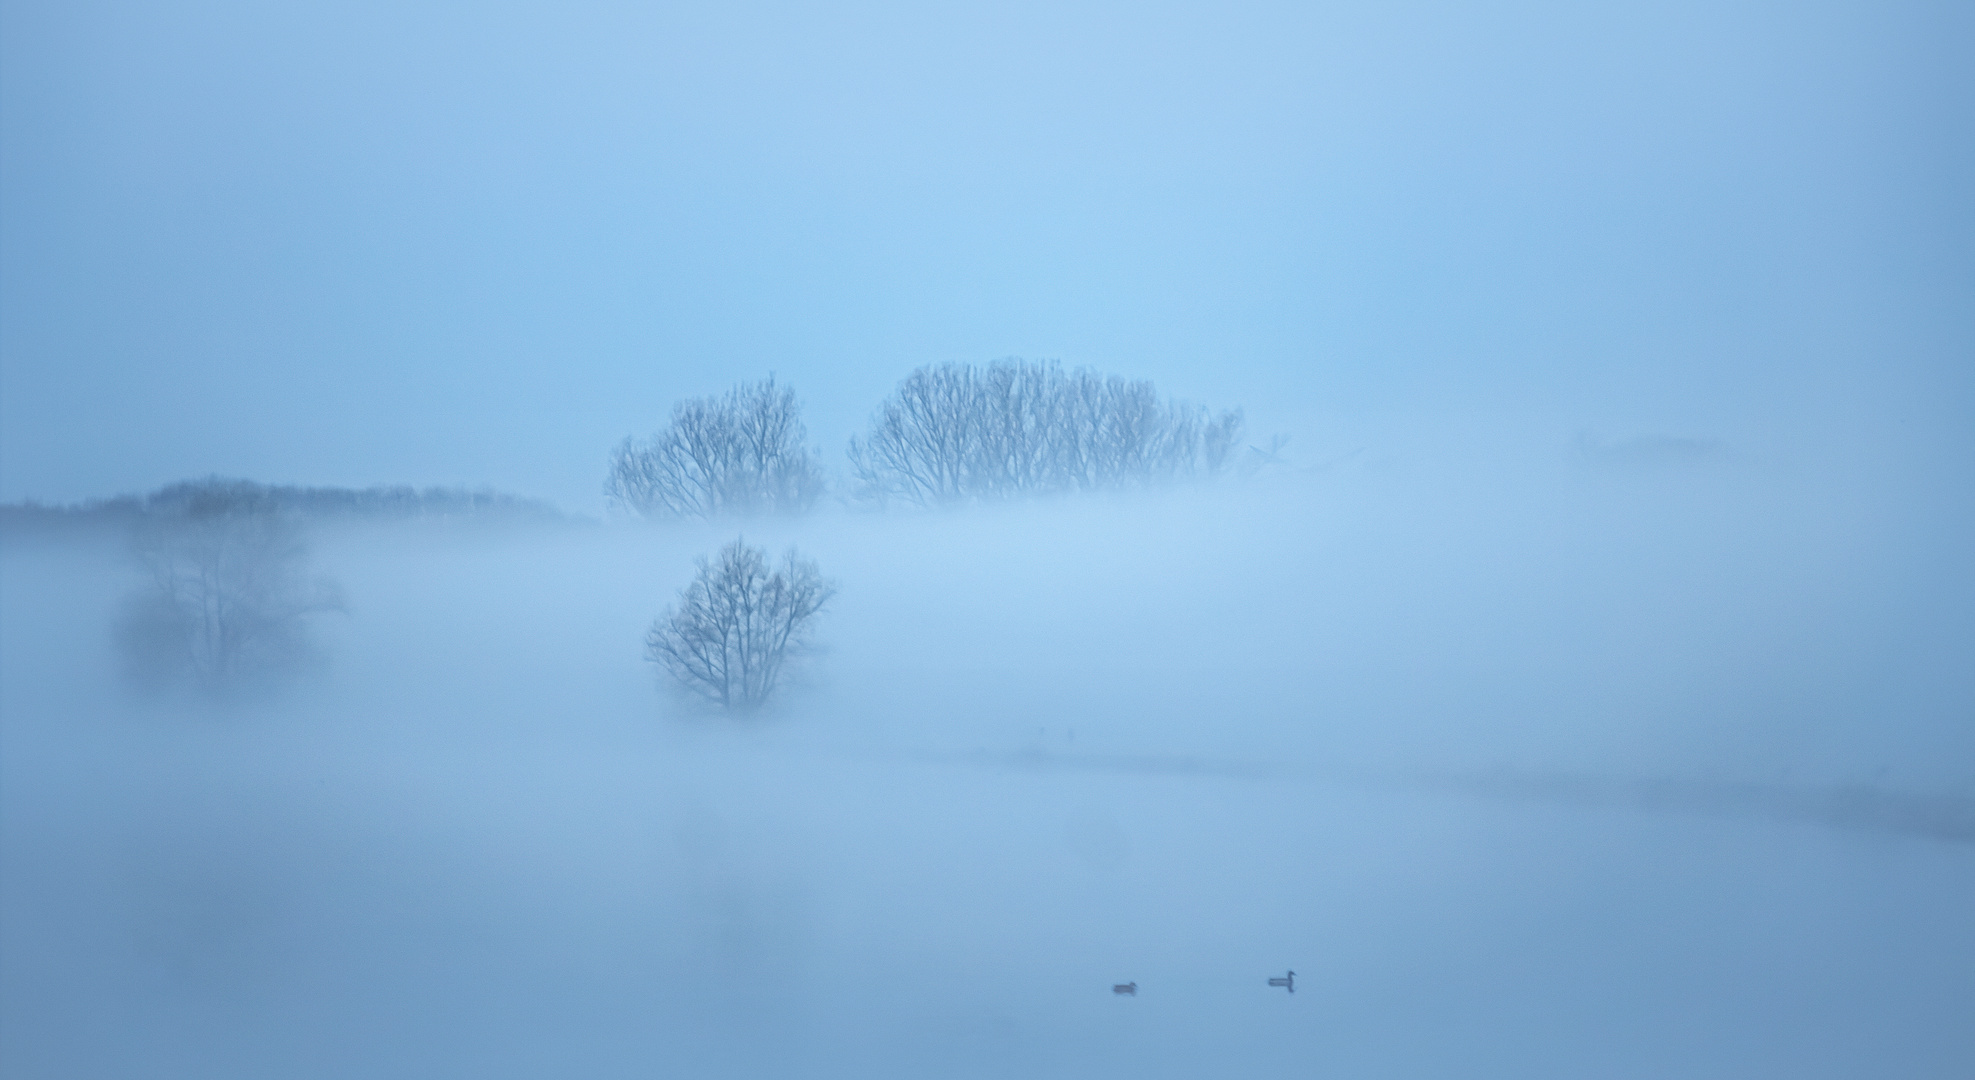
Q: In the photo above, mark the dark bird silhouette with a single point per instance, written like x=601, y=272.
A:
x=1288, y=982
x=1125, y=988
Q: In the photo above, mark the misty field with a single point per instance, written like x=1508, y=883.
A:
x=1549, y=770
x=703, y=539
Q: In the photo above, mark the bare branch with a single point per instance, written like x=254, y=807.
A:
x=739, y=455
x=229, y=587
x=731, y=634
x=1014, y=428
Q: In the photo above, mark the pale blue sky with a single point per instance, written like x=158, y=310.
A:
x=362, y=242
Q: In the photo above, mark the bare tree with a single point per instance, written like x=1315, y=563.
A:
x=734, y=456
x=960, y=432
x=229, y=588
x=735, y=628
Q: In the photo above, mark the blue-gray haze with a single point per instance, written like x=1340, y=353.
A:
x=1588, y=690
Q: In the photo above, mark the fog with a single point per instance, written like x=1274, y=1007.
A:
x=1573, y=674
x=1542, y=768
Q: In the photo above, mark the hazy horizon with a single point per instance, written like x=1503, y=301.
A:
x=1587, y=690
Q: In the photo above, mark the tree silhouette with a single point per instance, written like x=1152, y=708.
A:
x=733, y=456
x=228, y=587
x=1013, y=428
x=731, y=634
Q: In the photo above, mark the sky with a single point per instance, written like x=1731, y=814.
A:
x=423, y=243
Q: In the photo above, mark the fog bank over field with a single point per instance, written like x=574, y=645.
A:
x=1468, y=503
x=1525, y=764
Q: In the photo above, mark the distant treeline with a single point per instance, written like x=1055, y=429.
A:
x=218, y=495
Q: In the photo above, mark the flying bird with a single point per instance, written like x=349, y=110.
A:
x=1126, y=988
x=1288, y=982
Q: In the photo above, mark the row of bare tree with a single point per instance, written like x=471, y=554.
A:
x=230, y=591
x=950, y=433
x=228, y=596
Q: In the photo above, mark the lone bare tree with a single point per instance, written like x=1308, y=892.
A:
x=1012, y=428
x=742, y=454
x=734, y=629
x=229, y=587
